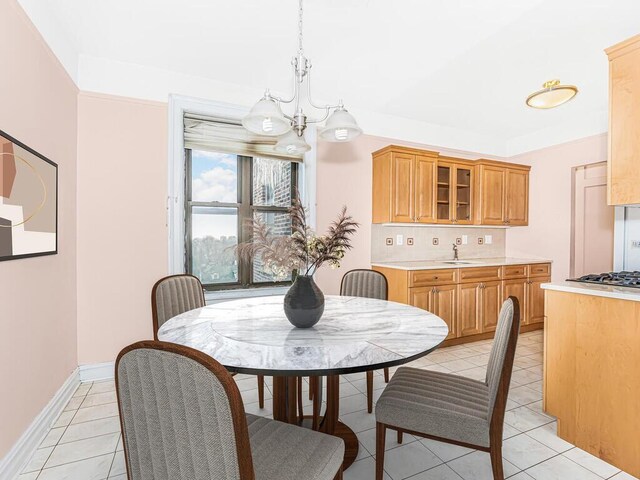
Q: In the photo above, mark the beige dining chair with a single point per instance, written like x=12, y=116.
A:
x=451, y=408
x=367, y=284
x=177, y=294
x=182, y=418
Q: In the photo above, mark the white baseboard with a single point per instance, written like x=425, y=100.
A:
x=14, y=461
x=97, y=371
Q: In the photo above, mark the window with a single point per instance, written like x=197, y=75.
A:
x=223, y=192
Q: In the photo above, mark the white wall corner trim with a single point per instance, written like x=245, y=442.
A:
x=97, y=371
x=14, y=462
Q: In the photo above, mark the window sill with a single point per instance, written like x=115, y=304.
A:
x=226, y=295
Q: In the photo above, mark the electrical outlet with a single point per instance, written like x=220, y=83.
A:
x=410, y=241
x=458, y=241
x=389, y=241
x=436, y=241
x=635, y=244
x=465, y=239
x=399, y=240
x=480, y=241
x=488, y=239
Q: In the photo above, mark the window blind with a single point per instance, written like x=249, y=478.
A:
x=229, y=136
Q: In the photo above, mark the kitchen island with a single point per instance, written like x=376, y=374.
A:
x=592, y=369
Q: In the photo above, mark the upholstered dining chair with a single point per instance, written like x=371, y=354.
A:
x=368, y=284
x=177, y=294
x=451, y=408
x=182, y=418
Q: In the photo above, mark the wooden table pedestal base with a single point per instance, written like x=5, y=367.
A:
x=285, y=409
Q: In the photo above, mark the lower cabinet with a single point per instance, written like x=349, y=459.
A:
x=470, y=301
x=440, y=300
x=535, y=300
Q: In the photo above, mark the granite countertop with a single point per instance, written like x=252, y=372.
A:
x=462, y=263
x=620, y=293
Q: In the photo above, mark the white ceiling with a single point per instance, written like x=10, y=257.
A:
x=455, y=70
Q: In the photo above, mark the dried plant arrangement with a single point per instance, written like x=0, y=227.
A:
x=303, y=251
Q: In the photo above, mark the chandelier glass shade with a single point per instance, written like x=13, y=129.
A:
x=291, y=144
x=553, y=94
x=267, y=118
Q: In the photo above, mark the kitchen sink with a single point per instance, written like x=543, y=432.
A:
x=458, y=262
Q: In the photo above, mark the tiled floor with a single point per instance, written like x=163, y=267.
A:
x=85, y=442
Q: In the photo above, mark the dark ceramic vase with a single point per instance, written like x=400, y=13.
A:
x=304, y=302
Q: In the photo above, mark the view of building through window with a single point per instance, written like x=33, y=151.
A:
x=217, y=210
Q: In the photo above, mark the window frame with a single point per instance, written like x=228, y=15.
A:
x=246, y=210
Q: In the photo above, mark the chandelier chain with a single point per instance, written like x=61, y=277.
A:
x=300, y=26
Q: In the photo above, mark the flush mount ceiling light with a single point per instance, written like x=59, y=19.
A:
x=552, y=95
x=267, y=118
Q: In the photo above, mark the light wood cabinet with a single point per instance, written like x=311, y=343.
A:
x=502, y=196
x=535, y=300
x=469, y=321
x=424, y=195
x=516, y=197
x=491, y=302
x=440, y=300
x=469, y=299
x=624, y=117
x=403, y=185
x=454, y=191
x=418, y=186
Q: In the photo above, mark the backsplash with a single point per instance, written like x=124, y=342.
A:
x=423, y=239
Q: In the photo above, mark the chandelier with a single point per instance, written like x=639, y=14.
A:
x=267, y=118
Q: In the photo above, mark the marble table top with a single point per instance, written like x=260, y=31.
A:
x=354, y=335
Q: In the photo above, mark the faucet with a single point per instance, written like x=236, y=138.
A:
x=455, y=252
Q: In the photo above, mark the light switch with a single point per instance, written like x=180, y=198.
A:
x=488, y=239
x=465, y=239
x=399, y=239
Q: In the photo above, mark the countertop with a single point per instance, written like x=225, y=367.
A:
x=620, y=293
x=464, y=263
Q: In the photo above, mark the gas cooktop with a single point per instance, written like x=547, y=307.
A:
x=618, y=279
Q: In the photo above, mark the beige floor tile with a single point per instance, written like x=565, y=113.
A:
x=441, y=472
x=477, y=466
x=591, y=462
x=38, y=459
x=560, y=468
x=547, y=436
x=95, y=413
x=409, y=459
x=82, y=449
x=94, y=399
x=364, y=469
x=445, y=451
x=93, y=428
x=524, y=452
x=96, y=468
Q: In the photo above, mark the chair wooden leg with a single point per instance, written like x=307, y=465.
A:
x=381, y=432
x=369, y=392
x=314, y=382
x=399, y=436
x=261, y=391
x=386, y=375
x=496, y=460
x=300, y=407
x=311, y=387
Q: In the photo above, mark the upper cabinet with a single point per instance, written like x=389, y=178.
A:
x=624, y=118
x=502, y=194
x=404, y=186
x=419, y=186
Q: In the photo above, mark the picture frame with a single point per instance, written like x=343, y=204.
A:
x=28, y=201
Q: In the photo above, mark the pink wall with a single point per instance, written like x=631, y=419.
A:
x=122, y=234
x=38, y=106
x=549, y=232
x=344, y=172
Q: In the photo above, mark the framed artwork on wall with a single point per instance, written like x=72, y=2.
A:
x=28, y=201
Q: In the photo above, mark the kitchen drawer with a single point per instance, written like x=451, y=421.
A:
x=478, y=274
x=539, y=270
x=421, y=278
x=513, y=271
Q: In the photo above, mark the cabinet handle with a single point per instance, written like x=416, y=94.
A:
x=435, y=278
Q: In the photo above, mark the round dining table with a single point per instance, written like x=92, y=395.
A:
x=355, y=334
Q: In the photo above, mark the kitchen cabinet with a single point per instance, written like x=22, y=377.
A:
x=535, y=300
x=404, y=185
x=624, y=117
x=502, y=194
x=469, y=299
x=454, y=189
x=419, y=186
x=440, y=300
